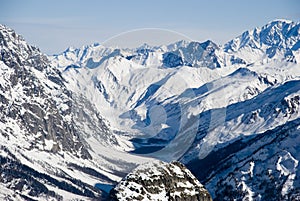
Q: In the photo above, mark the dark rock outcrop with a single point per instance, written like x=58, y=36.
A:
x=160, y=181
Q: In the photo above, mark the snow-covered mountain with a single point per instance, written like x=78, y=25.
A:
x=229, y=113
x=189, y=100
x=53, y=143
x=277, y=40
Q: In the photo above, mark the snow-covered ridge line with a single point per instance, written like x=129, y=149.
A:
x=277, y=40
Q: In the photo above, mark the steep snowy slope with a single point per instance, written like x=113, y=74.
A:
x=52, y=143
x=118, y=85
x=260, y=166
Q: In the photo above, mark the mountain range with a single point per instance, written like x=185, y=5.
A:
x=72, y=125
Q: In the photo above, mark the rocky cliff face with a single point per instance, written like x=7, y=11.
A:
x=34, y=97
x=41, y=124
x=160, y=181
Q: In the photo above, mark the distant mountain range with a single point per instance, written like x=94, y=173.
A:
x=72, y=125
x=277, y=40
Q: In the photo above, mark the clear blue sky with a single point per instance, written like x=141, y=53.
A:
x=54, y=25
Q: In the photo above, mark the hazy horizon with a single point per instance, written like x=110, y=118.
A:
x=54, y=26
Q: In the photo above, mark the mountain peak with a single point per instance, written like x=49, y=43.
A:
x=276, y=40
x=145, y=46
x=281, y=21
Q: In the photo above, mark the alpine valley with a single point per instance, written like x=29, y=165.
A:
x=185, y=121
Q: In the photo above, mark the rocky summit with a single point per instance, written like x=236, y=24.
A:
x=160, y=181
